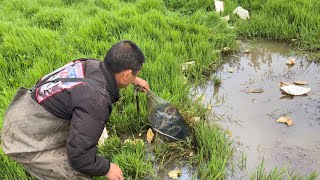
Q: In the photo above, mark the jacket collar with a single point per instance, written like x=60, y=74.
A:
x=111, y=83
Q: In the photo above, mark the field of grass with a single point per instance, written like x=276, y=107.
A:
x=297, y=21
x=38, y=36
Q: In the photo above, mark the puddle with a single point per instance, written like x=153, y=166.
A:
x=251, y=117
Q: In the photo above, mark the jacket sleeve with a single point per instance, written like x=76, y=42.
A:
x=87, y=123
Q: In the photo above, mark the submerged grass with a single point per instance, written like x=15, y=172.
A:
x=38, y=36
x=278, y=174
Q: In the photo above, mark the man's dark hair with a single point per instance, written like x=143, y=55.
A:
x=124, y=55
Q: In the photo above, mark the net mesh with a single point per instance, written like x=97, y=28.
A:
x=165, y=118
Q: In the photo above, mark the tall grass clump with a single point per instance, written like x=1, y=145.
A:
x=38, y=36
x=130, y=154
x=213, y=151
x=10, y=170
x=278, y=174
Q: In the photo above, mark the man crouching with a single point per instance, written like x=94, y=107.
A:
x=53, y=128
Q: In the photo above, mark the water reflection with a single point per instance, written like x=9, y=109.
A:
x=251, y=116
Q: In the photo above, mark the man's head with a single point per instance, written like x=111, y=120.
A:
x=125, y=59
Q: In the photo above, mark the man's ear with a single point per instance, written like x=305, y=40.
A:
x=126, y=74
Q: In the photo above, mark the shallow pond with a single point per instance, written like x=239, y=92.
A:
x=250, y=118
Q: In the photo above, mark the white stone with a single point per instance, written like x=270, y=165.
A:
x=219, y=6
x=241, y=12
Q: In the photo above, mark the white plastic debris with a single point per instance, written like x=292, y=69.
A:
x=226, y=49
x=219, y=6
x=230, y=70
x=291, y=61
x=241, y=12
x=226, y=18
x=285, y=120
x=185, y=66
x=295, y=90
x=174, y=174
x=195, y=119
x=103, y=136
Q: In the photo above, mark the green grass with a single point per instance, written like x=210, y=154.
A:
x=130, y=154
x=271, y=19
x=10, y=170
x=213, y=151
x=278, y=174
x=172, y=152
x=217, y=80
x=38, y=36
x=281, y=20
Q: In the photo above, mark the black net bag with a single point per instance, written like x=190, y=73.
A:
x=165, y=118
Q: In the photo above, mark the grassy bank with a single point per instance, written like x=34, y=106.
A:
x=271, y=19
x=296, y=21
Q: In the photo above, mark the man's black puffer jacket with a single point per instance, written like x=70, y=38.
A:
x=87, y=106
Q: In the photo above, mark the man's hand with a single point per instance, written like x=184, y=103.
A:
x=115, y=173
x=142, y=83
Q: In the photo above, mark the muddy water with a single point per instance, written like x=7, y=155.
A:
x=251, y=117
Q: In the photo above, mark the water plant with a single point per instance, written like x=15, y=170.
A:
x=276, y=173
x=217, y=80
